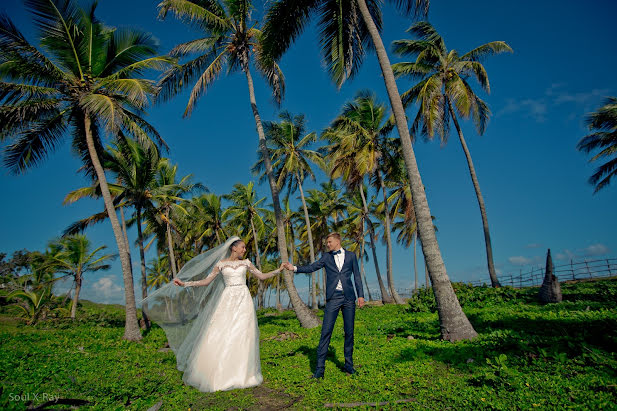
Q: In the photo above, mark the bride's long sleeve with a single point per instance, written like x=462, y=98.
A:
x=206, y=280
x=262, y=276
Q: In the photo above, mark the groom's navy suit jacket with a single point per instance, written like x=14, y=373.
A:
x=333, y=275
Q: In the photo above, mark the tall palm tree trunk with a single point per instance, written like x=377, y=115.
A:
x=170, y=246
x=415, y=263
x=427, y=282
x=142, y=258
x=388, y=234
x=126, y=236
x=385, y=297
x=309, y=233
x=306, y=317
x=362, y=273
x=131, y=327
x=76, y=296
x=476, y=186
x=454, y=323
x=260, y=283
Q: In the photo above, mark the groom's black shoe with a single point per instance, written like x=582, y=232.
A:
x=350, y=371
x=317, y=376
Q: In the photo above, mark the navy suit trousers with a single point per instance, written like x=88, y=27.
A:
x=333, y=305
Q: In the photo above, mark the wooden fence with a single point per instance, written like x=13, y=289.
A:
x=574, y=270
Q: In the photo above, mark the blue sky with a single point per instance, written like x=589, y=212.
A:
x=533, y=179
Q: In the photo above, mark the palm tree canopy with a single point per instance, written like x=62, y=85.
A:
x=343, y=36
x=358, y=138
x=289, y=148
x=230, y=39
x=82, y=66
x=443, y=76
x=603, y=123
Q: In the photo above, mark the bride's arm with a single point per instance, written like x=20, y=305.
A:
x=205, y=281
x=260, y=275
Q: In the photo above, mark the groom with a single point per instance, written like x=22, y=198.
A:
x=340, y=264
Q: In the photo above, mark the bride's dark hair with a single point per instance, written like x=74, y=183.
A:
x=235, y=243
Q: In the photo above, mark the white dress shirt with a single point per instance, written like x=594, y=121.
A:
x=339, y=259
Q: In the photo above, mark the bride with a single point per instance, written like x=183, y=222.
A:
x=210, y=322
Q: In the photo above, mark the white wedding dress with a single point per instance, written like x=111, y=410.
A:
x=226, y=355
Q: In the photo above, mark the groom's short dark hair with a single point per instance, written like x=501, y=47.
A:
x=335, y=235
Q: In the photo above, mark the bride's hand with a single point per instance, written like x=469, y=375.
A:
x=179, y=282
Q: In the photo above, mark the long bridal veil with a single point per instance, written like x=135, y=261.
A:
x=184, y=313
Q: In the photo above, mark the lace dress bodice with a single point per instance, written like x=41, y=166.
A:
x=234, y=272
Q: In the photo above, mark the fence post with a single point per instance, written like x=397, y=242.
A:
x=608, y=264
x=572, y=268
x=587, y=265
x=520, y=280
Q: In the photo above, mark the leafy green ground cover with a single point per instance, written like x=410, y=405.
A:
x=559, y=356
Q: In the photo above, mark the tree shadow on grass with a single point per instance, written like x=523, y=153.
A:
x=522, y=337
x=311, y=354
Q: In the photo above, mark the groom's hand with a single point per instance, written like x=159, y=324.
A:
x=361, y=302
x=288, y=266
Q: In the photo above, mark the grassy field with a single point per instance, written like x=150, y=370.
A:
x=559, y=356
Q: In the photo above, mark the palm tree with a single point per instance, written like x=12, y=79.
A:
x=443, y=81
x=603, y=123
x=403, y=215
x=73, y=256
x=157, y=272
x=353, y=173
x=168, y=203
x=86, y=83
x=285, y=21
x=358, y=136
x=356, y=231
x=291, y=160
x=246, y=211
x=231, y=38
x=205, y=219
x=137, y=168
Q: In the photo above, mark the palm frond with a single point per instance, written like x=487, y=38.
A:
x=202, y=14
x=488, y=49
x=35, y=144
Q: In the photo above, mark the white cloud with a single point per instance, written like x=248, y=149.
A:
x=107, y=291
x=595, y=250
x=556, y=94
x=580, y=98
x=535, y=108
x=565, y=255
x=520, y=260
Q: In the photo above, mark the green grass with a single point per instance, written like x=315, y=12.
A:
x=558, y=356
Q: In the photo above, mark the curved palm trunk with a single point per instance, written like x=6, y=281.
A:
x=476, y=186
x=385, y=297
x=427, y=283
x=279, y=306
x=170, y=246
x=454, y=323
x=260, y=283
x=76, y=296
x=306, y=317
x=126, y=236
x=415, y=263
x=309, y=233
x=362, y=273
x=131, y=327
x=142, y=258
x=388, y=234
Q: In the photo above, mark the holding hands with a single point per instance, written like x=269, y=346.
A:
x=179, y=282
